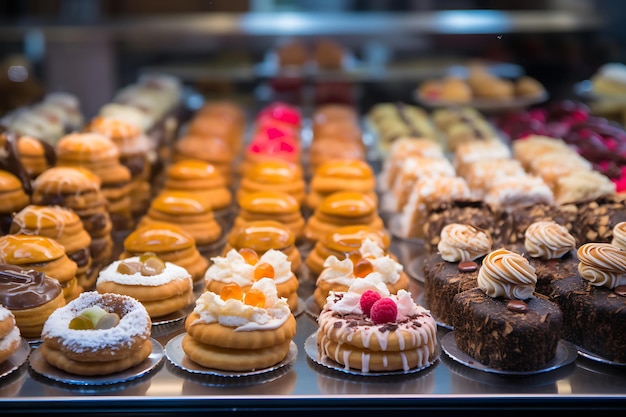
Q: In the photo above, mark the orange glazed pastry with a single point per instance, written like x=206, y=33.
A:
x=31, y=296
x=263, y=235
x=223, y=120
x=188, y=212
x=245, y=267
x=274, y=175
x=341, y=175
x=328, y=148
x=41, y=254
x=12, y=198
x=343, y=242
x=271, y=205
x=215, y=151
x=34, y=155
x=61, y=224
x=10, y=336
x=342, y=208
x=170, y=243
x=101, y=156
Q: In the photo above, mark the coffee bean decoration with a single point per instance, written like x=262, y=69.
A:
x=467, y=266
x=517, y=306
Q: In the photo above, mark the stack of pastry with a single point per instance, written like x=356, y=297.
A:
x=245, y=266
x=170, y=243
x=240, y=330
x=222, y=119
x=462, y=124
x=187, y=211
x=263, y=235
x=10, y=336
x=31, y=296
x=213, y=150
x=79, y=190
x=273, y=175
x=271, y=205
x=41, y=254
x=162, y=287
x=13, y=198
x=101, y=156
x=64, y=226
x=33, y=155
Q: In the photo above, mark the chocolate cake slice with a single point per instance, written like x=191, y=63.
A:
x=597, y=219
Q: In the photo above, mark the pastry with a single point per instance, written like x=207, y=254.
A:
x=271, y=143
x=10, y=336
x=454, y=90
x=239, y=329
x=292, y=53
x=488, y=86
x=186, y=210
x=609, y=80
x=31, y=296
x=215, y=151
x=369, y=260
x=527, y=86
x=245, y=266
x=170, y=243
x=271, y=205
x=619, y=235
x=62, y=225
x=231, y=115
x=44, y=255
x=342, y=208
x=31, y=154
x=97, y=334
x=263, y=235
x=597, y=219
x=162, y=287
x=273, y=175
x=13, y=198
x=503, y=323
x=327, y=148
x=392, y=121
x=368, y=329
x=328, y=54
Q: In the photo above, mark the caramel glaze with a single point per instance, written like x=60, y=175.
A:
x=21, y=289
x=261, y=236
x=349, y=238
x=158, y=237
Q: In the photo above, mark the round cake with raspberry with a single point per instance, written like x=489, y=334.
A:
x=368, y=329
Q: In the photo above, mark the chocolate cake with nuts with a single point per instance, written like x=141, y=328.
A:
x=597, y=219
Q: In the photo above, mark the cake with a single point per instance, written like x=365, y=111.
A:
x=453, y=268
x=161, y=287
x=370, y=330
x=596, y=220
x=592, y=301
x=369, y=260
x=503, y=323
x=10, y=336
x=243, y=267
x=13, y=198
x=240, y=329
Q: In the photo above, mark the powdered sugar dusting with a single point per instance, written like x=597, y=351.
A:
x=4, y=313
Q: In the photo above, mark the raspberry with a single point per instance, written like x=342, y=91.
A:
x=384, y=310
x=368, y=298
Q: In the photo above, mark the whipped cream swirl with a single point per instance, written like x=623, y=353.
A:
x=619, y=235
x=507, y=274
x=602, y=264
x=234, y=268
x=548, y=240
x=462, y=242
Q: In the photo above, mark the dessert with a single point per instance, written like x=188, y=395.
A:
x=454, y=267
x=240, y=329
x=231, y=115
x=10, y=336
x=263, y=235
x=215, y=151
x=97, y=334
x=170, y=243
x=489, y=86
x=368, y=260
x=244, y=266
x=275, y=176
x=30, y=154
x=368, y=329
x=271, y=205
x=503, y=323
x=41, y=254
x=271, y=143
x=610, y=79
x=31, y=296
x=527, y=86
x=13, y=198
x=392, y=121
x=186, y=210
x=592, y=302
x=324, y=149
x=342, y=208
x=162, y=287
x=328, y=54
x=450, y=89
x=64, y=226
x=619, y=235
x=597, y=220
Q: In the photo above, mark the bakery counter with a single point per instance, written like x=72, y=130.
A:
x=445, y=387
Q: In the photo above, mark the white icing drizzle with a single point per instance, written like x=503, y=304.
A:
x=602, y=264
x=58, y=216
x=172, y=272
x=548, y=240
x=461, y=242
x=619, y=235
x=507, y=274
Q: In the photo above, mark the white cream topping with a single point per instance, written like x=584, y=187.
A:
x=508, y=193
x=583, y=186
x=7, y=341
x=548, y=240
x=507, y=274
x=4, y=313
x=172, y=272
x=602, y=264
x=461, y=242
x=619, y=235
x=233, y=268
x=234, y=313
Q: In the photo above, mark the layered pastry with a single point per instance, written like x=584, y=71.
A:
x=368, y=329
x=79, y=190
x=31, y=296
x=342, y=208
x=271, y=205
x=532, y=147
x=62, y=225
x=619, y=235
x=327, y=115
x=186, y=210
x=10, y=336
x=223, y=123
x=31, y=154
x=97, y=334
x=449, y=89
x=480, y=174
x=41, y=254
x=453, y=268
x=344, y=242
x=474, y=151
x=370, y=260
x=271, y=143
x=100, y=155
x=215, y=151
x=592, y=301
x=230, y=114
x=245, y=266
x=276, y=176
x=325, y=149
x=503, y=323
x=240, y=329
x=340, y=175
x=162, y=287
x=13, y=198
x=512, y=192
x=263, y=235
x=460, y=125
x=170, y=243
